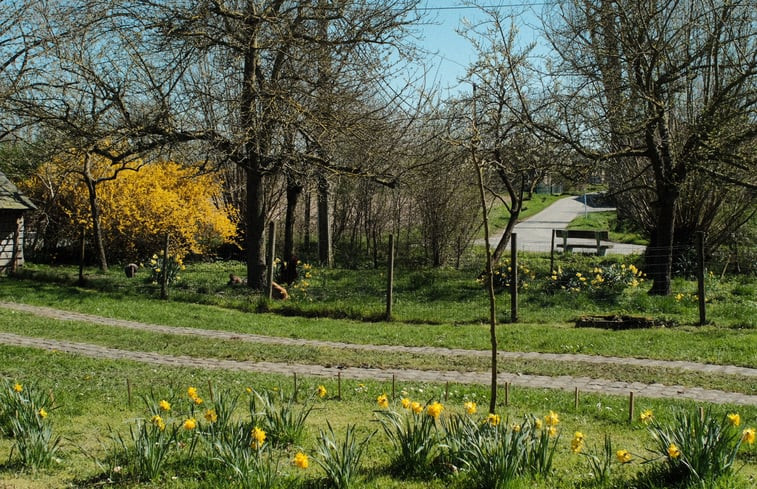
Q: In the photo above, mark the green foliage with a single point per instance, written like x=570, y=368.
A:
x=252, y=465
x=604, y=281
x=281, y=417
x=493, y=456
x=696, y=449
x=146, y=448
x=502, y=276
x=340, y=461
x=601, y=462
x=415, y=440
x=24, y=412
x=159, y=265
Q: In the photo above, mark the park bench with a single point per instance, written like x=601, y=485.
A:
x=570, y=234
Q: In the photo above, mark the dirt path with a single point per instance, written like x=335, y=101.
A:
x=569, y=383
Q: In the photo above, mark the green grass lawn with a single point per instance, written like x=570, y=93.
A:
x=444, y=308
x=91, y=399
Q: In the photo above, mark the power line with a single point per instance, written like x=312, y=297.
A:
x=476, y=7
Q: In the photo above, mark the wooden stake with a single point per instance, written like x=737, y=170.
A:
x=294, y=395
x=575, y=399
x=393, y=386
x=210, y=390
x=701, y=413
x=128, y=392
x=446, y=392
x=630, y=407
x=507, y=394
x=339, y=385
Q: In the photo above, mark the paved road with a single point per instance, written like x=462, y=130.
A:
x=568, y=383
x=535, y=233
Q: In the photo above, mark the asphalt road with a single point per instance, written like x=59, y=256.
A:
x=535, y=233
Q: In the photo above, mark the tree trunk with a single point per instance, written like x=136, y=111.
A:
x=511, y=222
x=660, y=253
x=307, y=244
x=95, y=211
x=294, y=190
x=256, y=221
x=324, y=222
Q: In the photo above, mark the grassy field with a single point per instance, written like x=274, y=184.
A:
x=91, y=400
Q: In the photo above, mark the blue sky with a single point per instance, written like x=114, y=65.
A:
x=455, y=52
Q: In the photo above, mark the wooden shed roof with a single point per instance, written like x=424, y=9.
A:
x=11, y=198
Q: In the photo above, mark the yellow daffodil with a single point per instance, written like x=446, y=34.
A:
x=434, y=410
x=405, y=403
x=192, y=392
x=301, y=460
x=211, y=416
x=382, y=401
x=190, y=424
x=516, y=427
x=552, y=419
x=537, y=423
x=42, y=413
x=470, y=407
x=258, y=438
x=164, y=405
x=321, y=392
x=493, y=419
x=197, y=401
x=673, y=451
x=552, y=431
x=748, y=436
x=18, y=387
x=416, y=407
x=623, y=456
x=646, y=416
x=158, y=421
x=734, y=419
x=577, y=443
x=248, y=390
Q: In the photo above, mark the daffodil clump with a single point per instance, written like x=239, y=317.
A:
x=25, y=417
x=159, y=266
x=502, y=276
x=297, y=280
x=700, y=448
x=605, y=281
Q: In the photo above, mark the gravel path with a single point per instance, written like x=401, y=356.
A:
x=569, y=383
x=535, y=233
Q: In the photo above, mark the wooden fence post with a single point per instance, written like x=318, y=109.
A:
x=270, y=256
x=164, y=275
x=700, y=279
x=390, y=279
x=514, y=278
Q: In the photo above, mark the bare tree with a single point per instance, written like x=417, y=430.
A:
x=664, y=92
x=256, y=79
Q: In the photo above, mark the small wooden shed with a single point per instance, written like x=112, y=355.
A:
x=13, y=205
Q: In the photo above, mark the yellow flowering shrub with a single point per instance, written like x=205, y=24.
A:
x=137, y=208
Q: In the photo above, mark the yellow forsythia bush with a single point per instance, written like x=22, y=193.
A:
x=137, y=208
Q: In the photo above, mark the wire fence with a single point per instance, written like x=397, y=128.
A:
x=543, y=283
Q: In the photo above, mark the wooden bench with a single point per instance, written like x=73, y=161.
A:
x=566, y=234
